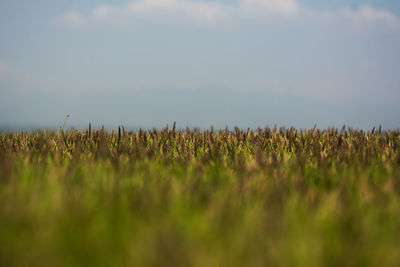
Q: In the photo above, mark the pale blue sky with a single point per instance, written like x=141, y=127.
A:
x=248, y=63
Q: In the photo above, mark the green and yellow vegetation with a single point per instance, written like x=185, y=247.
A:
x=266, y=197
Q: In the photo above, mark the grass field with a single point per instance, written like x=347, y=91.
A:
x=267, y=197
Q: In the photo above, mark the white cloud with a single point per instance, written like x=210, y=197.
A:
x=367, y=13
x=160, y=9
x=101, y=11
x=207, y=12
x=197, y=11
x=72, y=19
x=283, y=7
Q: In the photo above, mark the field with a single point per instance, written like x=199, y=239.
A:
x=169, y=197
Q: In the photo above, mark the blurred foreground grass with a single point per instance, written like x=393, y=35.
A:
x=271, y=197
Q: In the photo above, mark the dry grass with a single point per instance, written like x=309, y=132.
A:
x=278, y=197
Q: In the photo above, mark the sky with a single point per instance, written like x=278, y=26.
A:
x=246, y=63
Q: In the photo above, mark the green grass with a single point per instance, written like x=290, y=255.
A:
x=271, y=197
